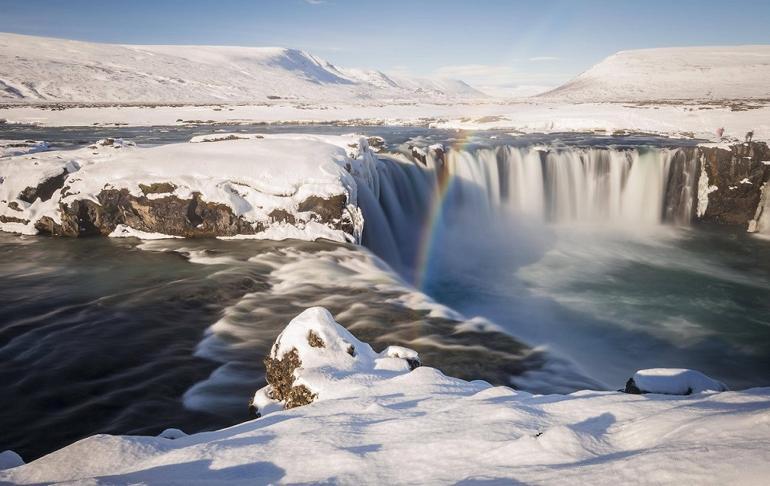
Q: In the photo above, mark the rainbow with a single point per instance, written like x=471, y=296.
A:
x=431, y=231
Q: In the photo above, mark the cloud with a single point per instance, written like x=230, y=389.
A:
x=544, y=59
x=315, y=2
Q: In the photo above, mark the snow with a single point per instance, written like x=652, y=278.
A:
x=675, y=73
x=254, y=175
x=34, y=69
x=675, y=381
x=398, y=426
x=9, y=459
x=123, y=231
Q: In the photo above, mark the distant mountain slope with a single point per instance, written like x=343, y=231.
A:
x=686, y=73
x=46, y=69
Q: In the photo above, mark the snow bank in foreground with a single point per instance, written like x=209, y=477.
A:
x=213, y=186
x=398, y=426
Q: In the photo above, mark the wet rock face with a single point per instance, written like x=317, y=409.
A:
x=738, y=175
x=44, y=191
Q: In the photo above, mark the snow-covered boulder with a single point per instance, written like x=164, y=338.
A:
x=672, y=381
x=271, y=186
x=315, y=358
x=9, y=459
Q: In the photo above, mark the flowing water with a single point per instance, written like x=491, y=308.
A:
x=550, y=262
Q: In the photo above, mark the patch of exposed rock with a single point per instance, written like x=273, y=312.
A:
x=168, y=215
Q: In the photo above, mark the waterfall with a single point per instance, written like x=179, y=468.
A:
x=620, y=187
x=761, y=222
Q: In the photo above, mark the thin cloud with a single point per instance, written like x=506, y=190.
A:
x=544, y=58
x=315, y=2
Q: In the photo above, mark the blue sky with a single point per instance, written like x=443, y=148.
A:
x=490, y=43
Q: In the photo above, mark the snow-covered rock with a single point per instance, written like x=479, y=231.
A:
x=46, y=69
x=672, y=381
x=384, y=424
x=9, y=459
x=682, y=73
x=315, y=358
x=272, y=186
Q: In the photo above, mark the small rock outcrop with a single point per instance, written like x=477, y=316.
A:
x=316, y=358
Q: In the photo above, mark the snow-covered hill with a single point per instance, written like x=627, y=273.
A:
x=684, y=73
x=46, y=69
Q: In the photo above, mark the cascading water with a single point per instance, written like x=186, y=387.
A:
x=619, y=187
x=575, y=249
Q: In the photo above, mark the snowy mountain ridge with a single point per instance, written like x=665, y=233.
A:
x=673, y=73
x=35, y=69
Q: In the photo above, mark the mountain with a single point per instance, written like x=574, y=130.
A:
x=682, y=73
x=34, y=69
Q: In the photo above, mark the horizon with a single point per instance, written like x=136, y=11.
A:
x=541, y=48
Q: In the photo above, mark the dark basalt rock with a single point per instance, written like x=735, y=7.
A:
x=280, y=376
x=734, y=202
x=157, y=188
x=45, y=189
x=314, y=340
x=632, y=388
x=191, y=218
x=281, y=216
x=327, y=209
x=169, y=215
x=12, y=219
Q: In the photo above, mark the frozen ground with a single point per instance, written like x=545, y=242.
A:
x=375, y=422
x=677, y=119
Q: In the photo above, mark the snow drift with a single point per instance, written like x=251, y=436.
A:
x=34, y=69
x=375, y=422
x=683, y=73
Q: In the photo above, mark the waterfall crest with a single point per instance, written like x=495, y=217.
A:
x=620, y=187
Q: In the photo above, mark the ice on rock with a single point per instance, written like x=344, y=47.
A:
x=315, y=358
x=672, y=381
